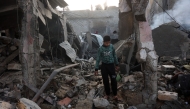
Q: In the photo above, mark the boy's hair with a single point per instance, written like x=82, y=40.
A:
x=107, y=38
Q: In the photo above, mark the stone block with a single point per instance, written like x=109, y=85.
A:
x=100, y=102
x=6, y=105
x=84, y=104
x=121, y=106
x=167, y=96
x=61, y=92
x=13, y=48
x=14, y=66
x=168, y=68
x=142, y=55
x=129, y=78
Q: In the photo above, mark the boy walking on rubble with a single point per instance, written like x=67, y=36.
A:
x=106, y=55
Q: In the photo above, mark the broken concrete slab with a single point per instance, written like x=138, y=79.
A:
x=62, y=92
x=13, y=48
x=168, y=68
x=91, y=94
x=100, y=102
x=167, y=96
x=142, y=55
x=6, y=105
x=129, y=78
x=84, y=104
x=167, y=40
x=14, y=94
x=14, y=66
x=121, y=106
x=168, y=76
x=81, y=81
x=72, y=92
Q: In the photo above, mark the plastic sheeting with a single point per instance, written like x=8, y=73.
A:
x=99, y=38
x=69, y=50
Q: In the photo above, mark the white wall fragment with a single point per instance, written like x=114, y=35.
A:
x=152, y=60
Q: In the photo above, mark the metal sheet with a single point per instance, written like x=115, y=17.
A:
x=43, y=10
x=52, y=10
x=41, y=17
x=69, y=50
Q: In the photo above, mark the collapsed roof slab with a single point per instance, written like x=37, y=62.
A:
x=168, y=39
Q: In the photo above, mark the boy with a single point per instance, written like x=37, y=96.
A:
x=106, y=54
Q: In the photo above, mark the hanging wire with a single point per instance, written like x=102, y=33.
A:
x=169, y=14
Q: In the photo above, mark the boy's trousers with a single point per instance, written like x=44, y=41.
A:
x=109, y=70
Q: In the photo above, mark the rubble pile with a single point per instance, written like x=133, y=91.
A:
x=173, y=83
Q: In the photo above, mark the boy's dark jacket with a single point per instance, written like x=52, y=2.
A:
x=106, y=55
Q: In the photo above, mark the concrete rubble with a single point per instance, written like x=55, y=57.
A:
x=52, y=67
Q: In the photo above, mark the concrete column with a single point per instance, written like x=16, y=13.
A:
x=29, y=48
x=146, y=55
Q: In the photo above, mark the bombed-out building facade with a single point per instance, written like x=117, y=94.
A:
x=47, y=56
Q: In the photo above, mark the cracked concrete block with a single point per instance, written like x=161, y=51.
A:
x=81, y=82
x=152, y=60
x=13, y=48
x=61, y=92
x=168, y=76
x=6, y=105
x=142, y=55
x=129, y=78
x=167, y=96
x=84, y=104
x=101, y=102
x=168, y=68
x=91, y=94
x=121, y=106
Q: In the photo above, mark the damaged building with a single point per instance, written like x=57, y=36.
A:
x=46, y=56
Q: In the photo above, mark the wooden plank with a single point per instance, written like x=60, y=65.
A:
x=7, y=60
x=8, y=8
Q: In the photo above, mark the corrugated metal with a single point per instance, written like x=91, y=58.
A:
x=69, y=50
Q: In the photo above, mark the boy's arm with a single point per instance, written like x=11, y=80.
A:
x=98, y=60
